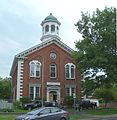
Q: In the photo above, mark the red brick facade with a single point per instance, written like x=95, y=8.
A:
x=24, y=85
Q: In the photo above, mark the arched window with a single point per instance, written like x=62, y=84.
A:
x=52, y=71
x=35, y=68
x=47, y=28
x=67, y=71
x=38, y=69
x=32, y=68
x=70, y=71
x=52, y=28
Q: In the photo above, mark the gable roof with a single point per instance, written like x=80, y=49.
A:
x=23, y=54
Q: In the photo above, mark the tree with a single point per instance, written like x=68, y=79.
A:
x=5, y=88
x=87, y=87
x=96, y=52
x=106, y=94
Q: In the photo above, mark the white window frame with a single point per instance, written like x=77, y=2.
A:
x=70, y=91
x=34, y=91
x=51, y=70
x=35, y=62
x=69, y=66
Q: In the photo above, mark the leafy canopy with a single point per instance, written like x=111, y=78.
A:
x=5, y=88
x=97, y=52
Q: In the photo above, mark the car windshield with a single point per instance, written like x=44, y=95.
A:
x=34, y=112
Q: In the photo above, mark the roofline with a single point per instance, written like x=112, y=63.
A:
x=23, y=54
x=45, y=21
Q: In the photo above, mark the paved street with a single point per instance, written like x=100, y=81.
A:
x=107, y=118
x=111, y=117
x=96, y=117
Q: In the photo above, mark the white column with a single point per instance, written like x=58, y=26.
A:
x=58, y=97
x=18, y=79
x=70, y=92
x=34, y=92
x=47, y=96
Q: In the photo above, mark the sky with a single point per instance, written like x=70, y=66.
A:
x=20, y=21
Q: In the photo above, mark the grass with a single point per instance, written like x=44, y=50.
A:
x=7, y=117
x=74, y=115
x=102, y=111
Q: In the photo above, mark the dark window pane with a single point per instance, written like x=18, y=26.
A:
x=31, y=92
x=52, y=28
x=67, y=72
x=47, y=28
x=72, y=72
x=53, y=71
x=32, y=66
x=37, y=91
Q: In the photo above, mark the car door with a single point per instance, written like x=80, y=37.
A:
x=44, y=114
x=55, y=113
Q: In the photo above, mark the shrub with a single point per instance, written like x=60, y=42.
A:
x=69, y=100
x=6, y=110
x=25, y=100
x=17, y=104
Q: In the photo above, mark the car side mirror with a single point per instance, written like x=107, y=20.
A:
x=40, y=114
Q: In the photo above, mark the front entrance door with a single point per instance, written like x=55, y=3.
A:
x=53, y=96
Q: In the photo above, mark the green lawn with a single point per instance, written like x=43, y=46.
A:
x=7, y=117
x=102, y=111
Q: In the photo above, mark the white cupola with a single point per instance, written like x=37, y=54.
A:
x=50, y=28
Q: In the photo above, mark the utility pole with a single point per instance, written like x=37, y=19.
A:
x=42, y=82
x=74, y=96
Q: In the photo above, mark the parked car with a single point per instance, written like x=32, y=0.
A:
x=32, y=105
x=45, y=113
x=89, y=103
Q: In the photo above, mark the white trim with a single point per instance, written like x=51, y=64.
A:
x=21, y=90
x=70, y=64
x=34, y=89
x=44, y=44
x=34, y=92
x=54, y=71
x=19, y=70
x=53, y=83
x=35, y=68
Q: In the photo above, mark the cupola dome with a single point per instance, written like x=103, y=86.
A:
x=50, y=18
x=50, y=28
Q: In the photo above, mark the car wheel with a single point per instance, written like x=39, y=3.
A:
x=62, y=119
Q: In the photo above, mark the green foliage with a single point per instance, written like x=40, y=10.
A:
x=106, y=94
x=87, y=87
x=97, y=52
x=5, y=88
x=25, y=100
x=69, y=100
x=6, y=110
x=38, y=98
x=17, y=104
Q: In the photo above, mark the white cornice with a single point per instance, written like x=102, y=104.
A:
x=44, y=44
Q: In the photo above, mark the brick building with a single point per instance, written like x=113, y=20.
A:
x=46, y=70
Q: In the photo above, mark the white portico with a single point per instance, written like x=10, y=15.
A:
x=53, y=91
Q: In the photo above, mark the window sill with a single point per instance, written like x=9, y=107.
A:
x=70, y=78
x=34, y=77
